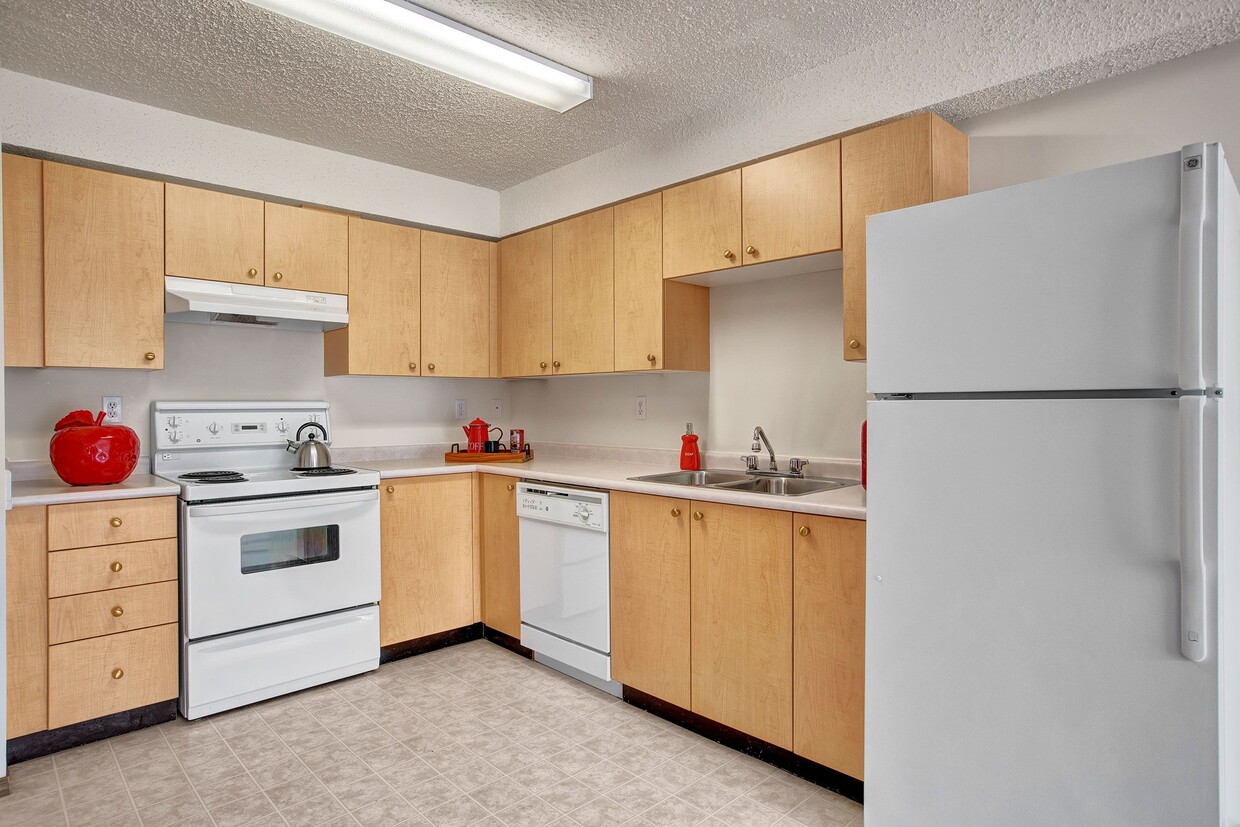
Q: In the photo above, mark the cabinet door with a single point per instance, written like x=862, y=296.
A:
x=650, y=595
x=901, y=164
x=742, y=619
x=384, y=335
x=702, y=225
x=792, y=204
x=26, y=632
x=583, y=294
x=639, y=283
x=501, y=560
x=306, y=249
x=103, y=255
x=23, y=261
x=427, y=556
x=456, y=305
x=525, y=303
x=828, y=701
x=212, y=235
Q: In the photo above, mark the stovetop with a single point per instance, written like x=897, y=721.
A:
x=267, y=482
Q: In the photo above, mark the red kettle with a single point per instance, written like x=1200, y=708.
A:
x=477, y=433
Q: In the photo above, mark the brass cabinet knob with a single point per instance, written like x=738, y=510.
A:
x=116, y=522
x=752, y=250
x=853, y=344
x=511, y=486
x=675, y=512
x=556, y=363
x=728, y=254
x=391, y=489
x=413, y=366
x=117, y=611
x=651, y=358
x=430, y=365
x=542, y=365
x=278, y=277
x=697, y=515
x=804, y=532
x=116, y=566
x=149, y=356
x=252, y=272
x=117, y=674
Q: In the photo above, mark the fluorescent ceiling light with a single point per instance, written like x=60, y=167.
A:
x=413, y=33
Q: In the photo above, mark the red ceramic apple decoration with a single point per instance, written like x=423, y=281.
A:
x=87, y=452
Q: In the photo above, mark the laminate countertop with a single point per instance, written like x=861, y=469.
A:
x=55, y=492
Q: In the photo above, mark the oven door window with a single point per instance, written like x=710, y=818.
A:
x=273, y=550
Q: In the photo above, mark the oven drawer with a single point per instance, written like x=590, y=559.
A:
x=110, y=567
x=78, y=525
x=105, y=613
x=91, y=678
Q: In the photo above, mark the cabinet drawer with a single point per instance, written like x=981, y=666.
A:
x=105, y=613
x=92, y=678
x=79, y=525
x=110, y=567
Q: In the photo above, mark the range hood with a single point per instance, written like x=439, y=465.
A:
x=244, y=305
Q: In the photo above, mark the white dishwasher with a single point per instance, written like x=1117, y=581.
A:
x=566, y=580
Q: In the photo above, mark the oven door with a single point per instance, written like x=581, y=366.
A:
x=254, y=562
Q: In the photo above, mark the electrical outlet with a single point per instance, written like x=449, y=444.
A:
x=640, y=408
x=458, y=408
x=497, y=407
x=111, y=409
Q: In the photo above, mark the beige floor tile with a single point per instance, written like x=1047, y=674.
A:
x=100, y=786
x=281, y=772
x=500, y=794
x=538, y=776
x=407, y=773
x=241, y=811
x=600, y=812
x=426, y=795
x=674, y=812
x=300, y=788
x=149, y=790
x=476, y=774
x=745, y=812
x=671, y=776
x=531, y=812
x=46, y=808
x=99, y=809
x=707, y=795
x=568, y=794
x=203, y=775
x=227, y=789
x=386, y=812
x=459, y=812
x=310, y=812
x=172, y=810
x=638, y=795
x=360, y=793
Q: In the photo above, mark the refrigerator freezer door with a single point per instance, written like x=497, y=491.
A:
x=1023, y=662
x=1071, y=283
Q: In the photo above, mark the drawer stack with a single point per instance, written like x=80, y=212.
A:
x=112, y=607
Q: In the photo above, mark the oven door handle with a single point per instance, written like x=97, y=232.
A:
x=268, y=505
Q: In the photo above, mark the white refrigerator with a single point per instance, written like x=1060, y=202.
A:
x=1053, y=579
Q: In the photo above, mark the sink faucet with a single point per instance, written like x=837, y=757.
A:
x=759, y=434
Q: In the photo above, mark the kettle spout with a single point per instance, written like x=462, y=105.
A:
x=292, y=446
x=465, y=429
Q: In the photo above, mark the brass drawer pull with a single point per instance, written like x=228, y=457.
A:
x=804, y=532
x=729, y=255
x=117, y=522
x=413, y=366
x=391, y=489
x=511, y=486
x=278, y=277
x=853, y=344
x=149, y=356
x=116, y=566
x=675, y=512
x=117, y=674
x=650, y=357
x=751, y=250
x=556, y=363
x=430, y=366
x=251, y=272
x=542, y=365
x=697, y=515
x=117, y=611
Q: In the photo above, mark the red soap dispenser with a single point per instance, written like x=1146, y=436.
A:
x=690, y=457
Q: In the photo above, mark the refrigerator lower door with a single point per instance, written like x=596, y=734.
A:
x=1023, y=659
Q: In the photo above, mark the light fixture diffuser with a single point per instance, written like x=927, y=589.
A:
x=413, y=33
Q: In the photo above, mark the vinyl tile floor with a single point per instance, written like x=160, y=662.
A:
x=470, y=735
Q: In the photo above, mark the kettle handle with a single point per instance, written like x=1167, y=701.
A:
x=306, y=425
x=495, y=428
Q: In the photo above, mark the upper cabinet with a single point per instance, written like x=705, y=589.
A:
x=791, y=204
x=23, y=261
x=583, y=294
x=525, y=286
x=901, y=164
x=212, y=235
x=456, y=305
x=306, y=249
x=702, y=225
x=102, y=269
x=384, y=335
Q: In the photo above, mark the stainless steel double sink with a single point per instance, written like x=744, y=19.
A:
x=778, y=486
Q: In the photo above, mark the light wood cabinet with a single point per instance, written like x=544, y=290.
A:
x=829, y=642
x=900, y=164
x=102, y=269
x=384, y=334
x=26, y=629
x=23, y=261
x=791, y=204
x=741, y=608
x=212, y=235
x=96, y=677
x=650, y=588
x=583, y=294
x=93, y=614
x=427, y=556
x=456, y=312
x=525, y=303
x=110, y=567
x=77, y=525
x=702, y=225
x=501, y=559
x=660, y=324
x=306, y=249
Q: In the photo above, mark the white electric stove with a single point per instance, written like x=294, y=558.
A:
x=279, y=568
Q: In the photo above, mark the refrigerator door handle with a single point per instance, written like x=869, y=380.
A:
x=1194, y=643
x=1198, y=238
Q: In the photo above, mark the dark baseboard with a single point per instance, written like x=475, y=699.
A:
x=826, y=777
x=422, y=645
x=38, y=744
x=508, y=642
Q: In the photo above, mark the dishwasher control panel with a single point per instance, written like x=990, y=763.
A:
x=566, y=506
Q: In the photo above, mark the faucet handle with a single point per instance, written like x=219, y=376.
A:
x=796, y=465
x=751, y=462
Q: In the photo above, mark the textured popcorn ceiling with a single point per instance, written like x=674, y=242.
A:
x=656, y=64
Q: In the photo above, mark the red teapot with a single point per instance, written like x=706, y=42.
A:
x=477, y=433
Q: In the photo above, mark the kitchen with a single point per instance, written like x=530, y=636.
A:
x=775, y=347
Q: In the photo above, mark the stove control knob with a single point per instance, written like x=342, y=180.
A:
x=584, y=514
x=214, y=428
x=174, y=421
x=282, y=426
x=175, y=436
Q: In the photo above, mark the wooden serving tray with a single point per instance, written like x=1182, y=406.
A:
x=504, y=456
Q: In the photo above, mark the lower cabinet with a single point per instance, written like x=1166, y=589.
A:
x=501, y=559
x=26, y=630
x=427, y=556
x=101, y=675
